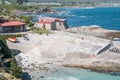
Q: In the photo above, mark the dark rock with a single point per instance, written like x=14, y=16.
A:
x=115, y=73
x=2, y=70
x=41, y=76
x=25, y=76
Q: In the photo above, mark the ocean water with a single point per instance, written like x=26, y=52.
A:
x=77, y=74
x=108, y=18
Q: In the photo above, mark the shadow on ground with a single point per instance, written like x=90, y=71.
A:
x=15, y=52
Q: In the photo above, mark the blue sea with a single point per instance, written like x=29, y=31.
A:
x=108, y=18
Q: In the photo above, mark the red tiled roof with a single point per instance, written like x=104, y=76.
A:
x=60, y=20
x=12, y=23
x=46, y=22
x=48, y=19
x=52, y=19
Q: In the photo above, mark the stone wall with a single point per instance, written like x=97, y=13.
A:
x=61, y=25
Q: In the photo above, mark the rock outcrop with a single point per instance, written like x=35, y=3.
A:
x=7, y=76
x=96, y=31
x=101, y=66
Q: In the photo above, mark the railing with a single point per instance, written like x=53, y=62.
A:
x=104, y=48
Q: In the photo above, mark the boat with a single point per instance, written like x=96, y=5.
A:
x=12, y=39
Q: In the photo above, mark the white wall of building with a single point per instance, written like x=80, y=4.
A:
x=51, y=26
x=61, y=25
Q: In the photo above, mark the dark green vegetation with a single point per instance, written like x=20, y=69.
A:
x=17, y=70
x=92, y=1
x=8, y=36
x=5, y=54
x=14, y=1
x=18, y=7
x=6, y=12
x=5, y=49
x=15, y=7
x=27, y=20
x=15, y=11
x=81, y=3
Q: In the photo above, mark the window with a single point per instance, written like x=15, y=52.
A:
x=60, y=24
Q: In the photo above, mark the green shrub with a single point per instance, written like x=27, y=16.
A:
x=17, y=70
x=30, y=24
x=26, y=18
x=5, y=49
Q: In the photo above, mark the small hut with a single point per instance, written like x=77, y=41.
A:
x=12, y=26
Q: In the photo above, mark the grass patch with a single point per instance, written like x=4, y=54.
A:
x=3, y=37
x=17, y=70
x=40, y=31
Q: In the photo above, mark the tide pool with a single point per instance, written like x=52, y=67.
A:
x=77, y=74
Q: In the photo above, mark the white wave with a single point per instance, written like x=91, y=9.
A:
x=86, y=16
x=72, y=78
x=73, y=15
x=89, y=26
x=83, y=16
x=88, y=8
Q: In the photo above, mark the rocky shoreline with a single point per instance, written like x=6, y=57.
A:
x=96, y=31
x=7, y=76
x=99, y=66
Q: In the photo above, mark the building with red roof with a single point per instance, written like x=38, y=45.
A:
x=12, y=26
x=51, y=23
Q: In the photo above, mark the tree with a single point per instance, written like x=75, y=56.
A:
x=27, y=19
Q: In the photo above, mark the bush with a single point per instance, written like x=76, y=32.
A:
x=17, y=70
x=30, y=24
x=26, y=18
x=5, y=49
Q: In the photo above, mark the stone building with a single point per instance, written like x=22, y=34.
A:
x=50, y=23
